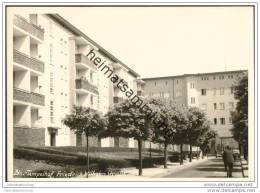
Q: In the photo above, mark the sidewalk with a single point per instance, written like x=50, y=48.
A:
x=155, y=172
x=211, y=167
x=244, y=167
x=159, y=171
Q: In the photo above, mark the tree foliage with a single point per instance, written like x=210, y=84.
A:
x=85, y=121
x=170, y=119
x=205, y=140
x=128, y=120
x=240, y=115
x=197, y=126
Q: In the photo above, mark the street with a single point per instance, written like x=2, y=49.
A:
x=212, y=168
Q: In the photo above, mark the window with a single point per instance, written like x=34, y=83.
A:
x=154, y=83
x=221, y=77
x=230, y=120
x=215, y=106
x=62, y=99
x=51, y=54
x=177, y=81
x=214, y=77
x=52, y=111
x=215, y=121
x=205, y=78
x=65, y=47
x=66, y=100
x=91, y=76
x=51, y=82
x=204, y=107
x=203, y=92
x=91, y=100
x=222, y=91
x=222, y=121
x=51, y=29
x=231, y=105
x=230, y=76
x=222, y=106
x=166, y=83
x=192, y=100
x=192, y=85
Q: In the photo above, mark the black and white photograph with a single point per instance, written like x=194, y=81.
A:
x=129, y=93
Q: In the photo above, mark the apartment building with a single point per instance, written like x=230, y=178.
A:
x=211, y=92
x=50, y=70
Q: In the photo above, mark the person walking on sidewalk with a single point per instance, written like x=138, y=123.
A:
x=228, y=159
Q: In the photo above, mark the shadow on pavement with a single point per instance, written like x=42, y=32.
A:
x=214, y=169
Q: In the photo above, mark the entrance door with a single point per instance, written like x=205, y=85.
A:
x=53, y=139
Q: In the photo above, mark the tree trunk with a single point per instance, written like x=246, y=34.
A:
x=87, y=156
x=140, y=157
x=150, y=155
x=165, y=155
x=181, y=152
x=190, y=153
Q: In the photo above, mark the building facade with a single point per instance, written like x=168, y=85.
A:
x=51, y=67
x=211, y=92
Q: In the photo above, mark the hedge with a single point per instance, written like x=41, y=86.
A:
x=63, y=159
x=102, y=149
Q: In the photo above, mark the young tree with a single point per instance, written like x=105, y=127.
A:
x=85, y=121
x=205, y=140
x=127, y=120
x=180, y=136
x=240, y=116
x=196, y=127
x=170, y=119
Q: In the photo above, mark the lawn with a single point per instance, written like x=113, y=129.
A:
x=59, y=161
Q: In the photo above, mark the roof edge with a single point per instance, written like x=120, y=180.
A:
x=77, y=32
x=197, y=74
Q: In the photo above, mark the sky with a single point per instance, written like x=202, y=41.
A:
x=165, y=41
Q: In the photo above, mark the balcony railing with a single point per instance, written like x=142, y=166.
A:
x=86, y=85
x=80, y=58
x=30, y=97
x=118, y=100
x=27, y=61
x=31, y=28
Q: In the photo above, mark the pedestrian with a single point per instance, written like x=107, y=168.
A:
x=224, y=160
x=228, y=159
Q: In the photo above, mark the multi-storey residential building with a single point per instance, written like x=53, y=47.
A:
x=211, y=92
x=52, y=68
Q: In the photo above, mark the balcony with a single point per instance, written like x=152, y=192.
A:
x=118, y=100
x=83, y=61
x=31, y=28
x=29, y=97
x=27, y=61
x=86, y=85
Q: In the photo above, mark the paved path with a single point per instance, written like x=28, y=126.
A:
x=211, y=168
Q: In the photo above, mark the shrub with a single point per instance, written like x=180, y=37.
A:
x=72, y=159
